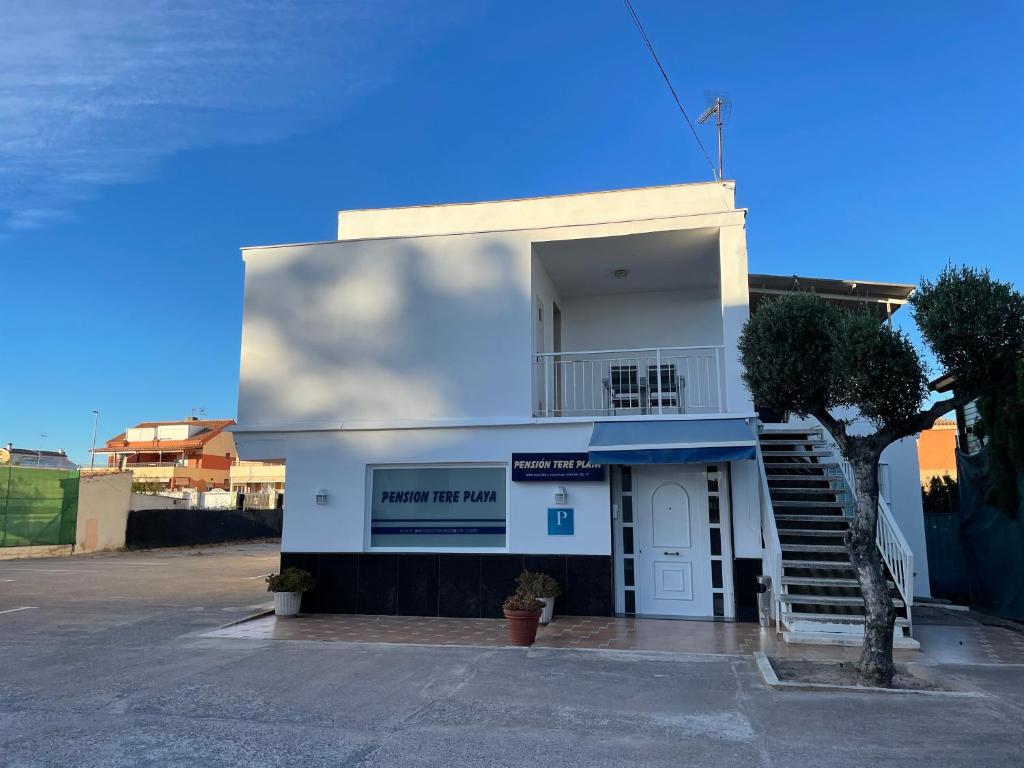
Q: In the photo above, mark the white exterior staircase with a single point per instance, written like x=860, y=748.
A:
x=808, y=501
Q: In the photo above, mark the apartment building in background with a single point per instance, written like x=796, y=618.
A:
x=174, y=455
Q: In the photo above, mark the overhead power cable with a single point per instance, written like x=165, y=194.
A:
x=668, y=82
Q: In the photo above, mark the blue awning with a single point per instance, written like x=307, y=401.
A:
x=703, y=441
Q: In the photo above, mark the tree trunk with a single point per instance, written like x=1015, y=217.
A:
x=876, y=664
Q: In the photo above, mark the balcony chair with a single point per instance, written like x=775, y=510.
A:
x=623, y=388
x=672, y=388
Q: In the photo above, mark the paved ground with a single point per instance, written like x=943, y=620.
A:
x=110, y=667
x=946, y=636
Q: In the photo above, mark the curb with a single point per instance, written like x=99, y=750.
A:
x=250, y=617
x=771, y=679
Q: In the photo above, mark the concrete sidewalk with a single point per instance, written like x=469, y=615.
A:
x=108, y=665
x=962, y=641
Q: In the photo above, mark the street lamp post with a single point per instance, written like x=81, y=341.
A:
x=95, y=424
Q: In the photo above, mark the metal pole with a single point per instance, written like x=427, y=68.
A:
x=657, y=358
x=718, y=122
x=95, y=424
x=547, y=386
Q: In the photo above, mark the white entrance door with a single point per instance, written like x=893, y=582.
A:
x=674, y=554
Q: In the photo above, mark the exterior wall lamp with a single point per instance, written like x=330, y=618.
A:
x=561, y=495
x=321, y=497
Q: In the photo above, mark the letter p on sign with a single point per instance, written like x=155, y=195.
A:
x=560, y=521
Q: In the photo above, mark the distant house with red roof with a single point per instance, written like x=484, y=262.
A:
x=191, y=453
x=936, y=451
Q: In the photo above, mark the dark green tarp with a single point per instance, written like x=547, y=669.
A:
x=947, y=568
x=993, y=542
x=37, y=506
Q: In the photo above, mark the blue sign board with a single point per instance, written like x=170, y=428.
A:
x=553, y=467
x=560, y=522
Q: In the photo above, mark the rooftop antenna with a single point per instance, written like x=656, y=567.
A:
x=720, y=107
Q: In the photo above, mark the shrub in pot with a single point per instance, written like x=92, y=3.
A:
x=545, y=588
x=522, y=614
x=288, y=587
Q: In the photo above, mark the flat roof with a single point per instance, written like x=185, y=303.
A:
x=886, y=298
x=540, y=197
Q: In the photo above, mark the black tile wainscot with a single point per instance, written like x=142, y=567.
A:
x=455, y=585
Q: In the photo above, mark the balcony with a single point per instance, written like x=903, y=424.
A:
x=246, y=472
x=629, y=382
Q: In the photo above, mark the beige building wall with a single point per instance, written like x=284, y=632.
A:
x=155, y=501
x=936, y=451
x=103, y=502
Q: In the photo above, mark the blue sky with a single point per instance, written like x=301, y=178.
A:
x=143, y=143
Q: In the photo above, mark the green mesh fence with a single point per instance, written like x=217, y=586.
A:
x=37, y=506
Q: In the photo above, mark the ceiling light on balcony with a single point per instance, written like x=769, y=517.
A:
x=621, y=274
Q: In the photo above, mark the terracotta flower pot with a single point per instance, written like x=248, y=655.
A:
x=522, y=626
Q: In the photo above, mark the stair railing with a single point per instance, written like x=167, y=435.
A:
x=772, y=546
x=896, y=552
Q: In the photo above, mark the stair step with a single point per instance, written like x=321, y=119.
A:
x=774, y=433
x=787, y=489
x=823, y=581
x=800, y=454
x=818, y=581
x=837, y=549
x=805, y=478
x=852, y=639
x=833, y=618
x=818, y=564
x=819, y=504
x=854, y=601
x=838, y=518
x=818, y=532
x=799, y=465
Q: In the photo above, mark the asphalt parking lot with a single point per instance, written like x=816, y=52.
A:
x=103, y=662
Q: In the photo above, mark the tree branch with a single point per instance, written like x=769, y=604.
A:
x=835, y=427
x=924, y=420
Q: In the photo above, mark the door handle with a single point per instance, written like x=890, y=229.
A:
x=671, y=553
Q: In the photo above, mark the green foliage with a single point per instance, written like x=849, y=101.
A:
x=802, y=354
x=878, y=370
x=519, y=601
x=974, y=324
x=1002, y=427
x=147, y=486
x=538, y=584
x=290, y=580
x=788, y=350
x=942, y=495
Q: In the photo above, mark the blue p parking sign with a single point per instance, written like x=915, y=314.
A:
x=560, y=522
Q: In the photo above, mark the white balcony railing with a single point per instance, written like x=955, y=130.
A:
x=620, y=382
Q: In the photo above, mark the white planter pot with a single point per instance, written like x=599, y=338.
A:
x=287, y=603
x=549, y=610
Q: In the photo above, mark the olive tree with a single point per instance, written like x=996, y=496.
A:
x=804, y=355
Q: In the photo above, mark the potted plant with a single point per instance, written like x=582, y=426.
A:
x=288, y=587
x=522, y=612
x=544, y=588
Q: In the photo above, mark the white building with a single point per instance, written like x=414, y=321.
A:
x=34, y=457
x=460, y=391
